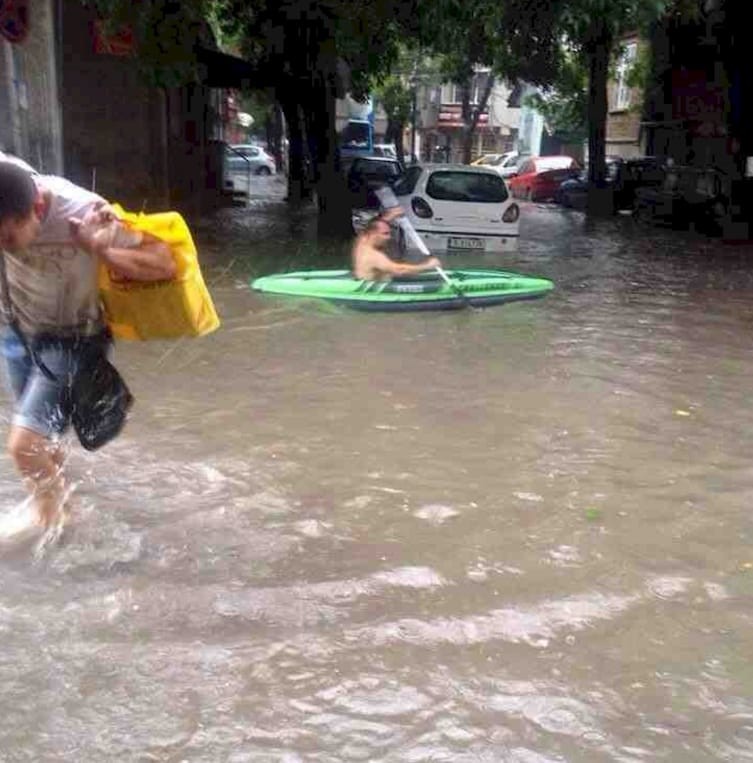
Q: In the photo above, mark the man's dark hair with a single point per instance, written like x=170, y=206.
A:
x=374, y=223
x=17, y=191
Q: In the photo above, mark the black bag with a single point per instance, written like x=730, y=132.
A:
x=99, y=398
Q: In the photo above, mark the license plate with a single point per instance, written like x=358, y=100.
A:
x=465, y=243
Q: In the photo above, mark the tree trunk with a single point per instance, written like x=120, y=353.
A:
x=399, y=147
x=600, y=200
x=471, y=115
x=298, y=181
x=394, y=134
x=334, y=211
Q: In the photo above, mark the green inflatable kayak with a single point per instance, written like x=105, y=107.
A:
x=423, y=291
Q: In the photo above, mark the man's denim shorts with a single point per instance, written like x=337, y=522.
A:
x=41, y=404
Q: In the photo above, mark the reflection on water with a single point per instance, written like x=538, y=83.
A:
x=518, y=534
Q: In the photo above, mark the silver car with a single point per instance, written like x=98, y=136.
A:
x=244, y=157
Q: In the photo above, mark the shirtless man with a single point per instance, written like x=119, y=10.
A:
x=369, y=259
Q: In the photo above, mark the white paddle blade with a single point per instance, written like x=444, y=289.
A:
x=386, y=197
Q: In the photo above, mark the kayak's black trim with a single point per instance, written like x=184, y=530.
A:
x=451, y=303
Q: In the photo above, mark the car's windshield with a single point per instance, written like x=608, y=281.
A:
x=375, y=169
x=480, y=187
x=554, y=163
x=407, y=182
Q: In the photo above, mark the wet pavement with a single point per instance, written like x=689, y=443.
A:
x=516, y=534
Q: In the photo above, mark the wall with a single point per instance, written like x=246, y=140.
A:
x=30, y=123
x=114, y=126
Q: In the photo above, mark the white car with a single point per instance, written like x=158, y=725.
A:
x=458, y=208
x=385, y=149
x=509, y=164
x=505, y=164
x=244, y=157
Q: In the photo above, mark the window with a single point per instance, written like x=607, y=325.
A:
x=554, y=163
x=356, y=135
x=466, y=186
x=407, y=182
x=452, y=93
x=622, y=94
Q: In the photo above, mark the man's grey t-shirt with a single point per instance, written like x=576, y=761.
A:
x=53, y=284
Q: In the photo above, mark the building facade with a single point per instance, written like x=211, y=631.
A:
x=625, y=135
x=441, y=129
x=30, y=120
x=72, y=102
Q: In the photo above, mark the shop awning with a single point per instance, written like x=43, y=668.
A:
x=223, y=70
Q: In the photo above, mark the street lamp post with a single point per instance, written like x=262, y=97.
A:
x=413, y=120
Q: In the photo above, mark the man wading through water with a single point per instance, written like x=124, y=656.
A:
x=53, y=237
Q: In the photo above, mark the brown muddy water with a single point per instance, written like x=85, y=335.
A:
x=519, y=534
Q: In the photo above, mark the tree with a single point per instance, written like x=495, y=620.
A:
x=592, y=29
x=299, y=48
x=395, y=95
x=305, y=46
x=396, y=91
x=478, y=42
x=564, y=103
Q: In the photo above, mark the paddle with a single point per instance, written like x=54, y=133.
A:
x=388, y=200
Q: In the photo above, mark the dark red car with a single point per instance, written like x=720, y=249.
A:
x=538, y=178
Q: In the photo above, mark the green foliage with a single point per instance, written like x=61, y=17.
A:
x=515, y=38
x=165, y=32
x=394, y=90
x=396, y=96
x=564, y=104
x=640, y=72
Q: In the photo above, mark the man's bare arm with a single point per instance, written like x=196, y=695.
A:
x=148, y=260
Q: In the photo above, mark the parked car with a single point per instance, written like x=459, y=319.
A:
x=573, y=192
x=245, y=157
x=366, y=173
x=385, y=149
x=687, y=196
x=538, y=178
x=509, y=165
x=505, y=164
x=623, y=177
x=486, y=159
x=458, y=208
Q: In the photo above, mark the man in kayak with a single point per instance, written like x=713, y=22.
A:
x=369, y=259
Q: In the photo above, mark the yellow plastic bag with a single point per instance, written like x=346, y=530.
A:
x=170, y=309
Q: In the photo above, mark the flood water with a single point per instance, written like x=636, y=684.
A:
x=518, y=534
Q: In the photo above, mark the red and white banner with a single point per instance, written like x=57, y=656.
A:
x=120, y=43
x=14, y=19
